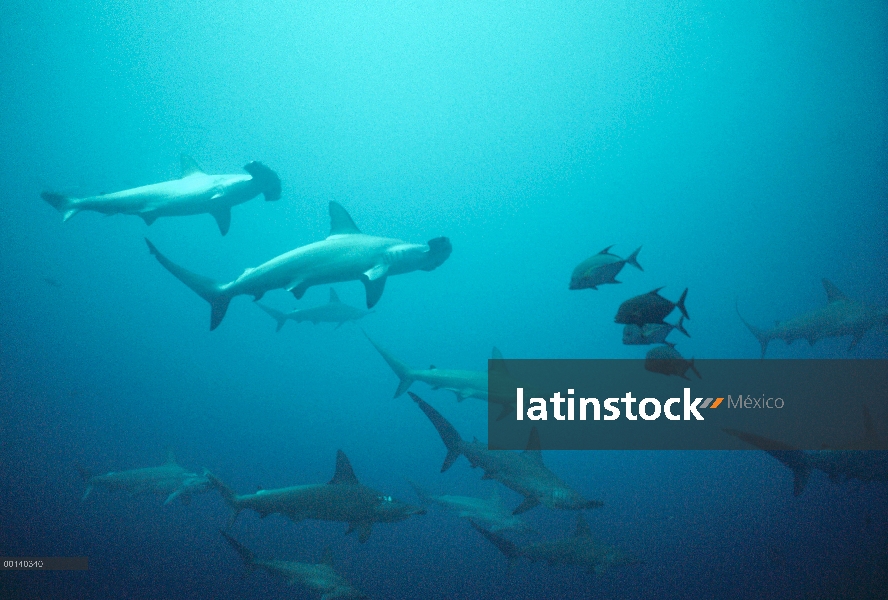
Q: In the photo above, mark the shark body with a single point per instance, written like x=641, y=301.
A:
x=169, y=479
x=344, y=499
x=580, y=550
x=841, y=317
x=859, y=461
x=522, y=472
x=194, y=193
x=318, y=577
x=489, y=512
x=335, y=311
x=345, y=255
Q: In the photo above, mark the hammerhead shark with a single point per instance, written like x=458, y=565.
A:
x=346, y=255
x=169, y=479
x=857, y=461
x=840, y=317
x=318, y=577
x=581, y=550
x=193, y=194
x=344, y=499
x=522, y=472
x=489, y=512
x=335, y=311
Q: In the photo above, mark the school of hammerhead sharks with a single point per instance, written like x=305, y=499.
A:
x=347, y=254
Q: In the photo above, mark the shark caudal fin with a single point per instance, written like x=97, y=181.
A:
x=85, y=475
x=277, y=315
x=793, y=458
x=267, y=179
x=448, y=433
x=65, y=205
x=761, y=335
x=246, y=555
x=502, y=544
x=401, y=370
x=632, y=259
x=227, y=494
x=204, y=287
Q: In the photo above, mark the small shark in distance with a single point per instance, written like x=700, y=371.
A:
x=318, y=577
x=840, y=317
x=193, y=194
x=580, y=550
x=490, y=512
x=522, y=472
x=335, y=311
x=344, y=498
x=858, y=461
x=346, y=255
x=169, y=479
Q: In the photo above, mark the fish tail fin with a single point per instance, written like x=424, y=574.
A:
x=680, y=326
x=246, y=555
x=421, y=494
x=401, y=370
x=204, y=287
x=793, y=458
x=265, y=177
x=502, y=544
x=64, y=204
x=681, y=304
x=632, y=259
x=227, y=494
x=448, y=433
x=761, y=335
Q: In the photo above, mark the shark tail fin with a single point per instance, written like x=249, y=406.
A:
x=204, y=287
x=448, y=433
x=421, y=494
x=760, y=334
x=400, y=369
x=64, y=204
x=246, y=555
x=680, y=326
x=502, y=544
x=277, y=315
x=793, y=458
x=265, y=177
x=228, y=496
x=632, y=259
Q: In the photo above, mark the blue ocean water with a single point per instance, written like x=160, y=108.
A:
x=743, y=146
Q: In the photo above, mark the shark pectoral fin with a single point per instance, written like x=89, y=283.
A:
x=223, y=219
x=149, y=218
x=529, y=502
x=364, y=529
x=374, y=288
x=298, y=288
x=173, y=496
x=86, y=493
x=376, y=272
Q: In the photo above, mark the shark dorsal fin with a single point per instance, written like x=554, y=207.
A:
x=533, y=451
x=327, y=557
x=582, y=527
x=344, y=472
x=259, y=488
x=340, y=221
x=833, y=294
x=171, y=457
x=432, y=367
x=606, y=250
x=189, y=166
x=496, y=361
x=334, y=298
